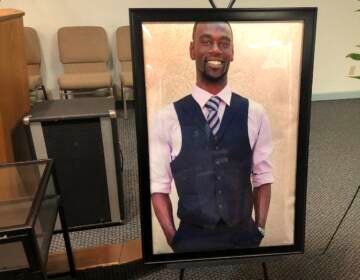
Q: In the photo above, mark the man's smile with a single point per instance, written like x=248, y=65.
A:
x=214, y=63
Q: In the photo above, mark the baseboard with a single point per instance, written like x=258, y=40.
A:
x=335, y=95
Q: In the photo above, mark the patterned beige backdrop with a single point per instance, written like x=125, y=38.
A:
x=266, y=68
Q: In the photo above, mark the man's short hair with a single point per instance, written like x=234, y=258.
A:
x=197, y=22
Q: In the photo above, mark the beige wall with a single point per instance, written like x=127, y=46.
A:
x=336, y=30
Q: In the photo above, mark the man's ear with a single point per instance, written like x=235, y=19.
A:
x=232, y=55
x=191, y=50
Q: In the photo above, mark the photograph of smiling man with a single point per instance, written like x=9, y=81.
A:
x=223, y=118
x=215, y=146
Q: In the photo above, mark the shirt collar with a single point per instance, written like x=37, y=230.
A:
x=202, y=96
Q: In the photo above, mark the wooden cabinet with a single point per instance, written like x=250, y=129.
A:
x=14, y=93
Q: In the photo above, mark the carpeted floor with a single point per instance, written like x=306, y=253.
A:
x=334, y=176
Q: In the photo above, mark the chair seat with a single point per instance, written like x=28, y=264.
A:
x=72, y=81
x=34, y=82
x=126, y=79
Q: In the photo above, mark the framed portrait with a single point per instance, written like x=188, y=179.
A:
x=222, y=102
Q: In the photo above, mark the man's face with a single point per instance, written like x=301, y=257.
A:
x=212, y=49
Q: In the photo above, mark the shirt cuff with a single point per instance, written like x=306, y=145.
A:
x=160, y=188
x=262, y=179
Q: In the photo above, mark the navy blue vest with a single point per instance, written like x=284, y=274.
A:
x=212, y=173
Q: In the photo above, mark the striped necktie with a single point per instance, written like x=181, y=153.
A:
x=213, y=118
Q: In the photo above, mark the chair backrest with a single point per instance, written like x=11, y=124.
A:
x=83, y=48
x=33, y=50
x=124, y=48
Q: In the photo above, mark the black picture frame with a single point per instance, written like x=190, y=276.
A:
x=308, y=17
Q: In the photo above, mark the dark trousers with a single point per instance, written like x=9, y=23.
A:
x=194, y=238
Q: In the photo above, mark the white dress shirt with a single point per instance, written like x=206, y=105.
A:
x=165, y=140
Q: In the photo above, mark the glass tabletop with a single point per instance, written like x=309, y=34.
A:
x=18, y=187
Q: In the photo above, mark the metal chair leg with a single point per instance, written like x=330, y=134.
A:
x=111, y=91
x=123, y=96
x=44, y=92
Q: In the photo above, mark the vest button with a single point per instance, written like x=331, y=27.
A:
x=219, y=191
x=217, y=147
x=217, y=162
x=220, y=206
x=218, y=177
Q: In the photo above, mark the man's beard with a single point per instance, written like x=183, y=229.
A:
x=213, y=79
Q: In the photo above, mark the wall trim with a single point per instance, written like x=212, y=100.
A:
x=335, y=95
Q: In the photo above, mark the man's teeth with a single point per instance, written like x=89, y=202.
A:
x=214, y=62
